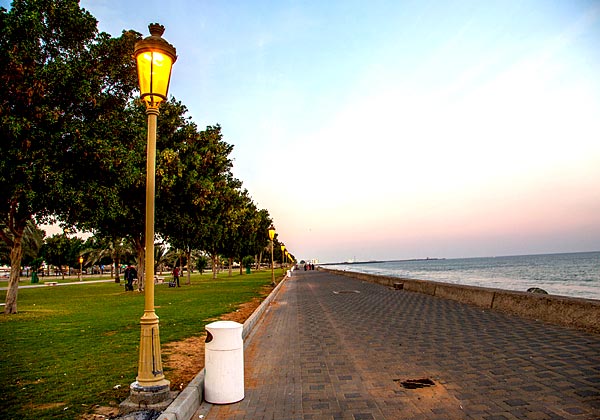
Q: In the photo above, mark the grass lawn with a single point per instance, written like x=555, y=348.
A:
x=72, y=347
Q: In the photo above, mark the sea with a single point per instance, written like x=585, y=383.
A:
x=572, y=274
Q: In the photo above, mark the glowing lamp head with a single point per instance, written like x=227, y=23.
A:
x=271, y=233
x=282, y=248
x=80, y=260
x=154, y=57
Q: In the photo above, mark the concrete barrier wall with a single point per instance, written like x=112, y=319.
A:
x=572, y=312
x=472, y=295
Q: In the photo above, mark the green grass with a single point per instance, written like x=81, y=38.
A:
x=69, y=346
x=26, y=281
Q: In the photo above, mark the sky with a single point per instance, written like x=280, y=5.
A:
x=397, y=129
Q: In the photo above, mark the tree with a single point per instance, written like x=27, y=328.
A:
x=116, y=249
x=62, y=251
x=230, y=224
x=161, y=256
x=194, y=178
x=253, y=235
x=49, y=78
x=201, y=263
x=243, y=227
x=260, y=240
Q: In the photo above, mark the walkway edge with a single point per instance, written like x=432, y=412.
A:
x=190, y=399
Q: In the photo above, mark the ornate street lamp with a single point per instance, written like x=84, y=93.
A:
x=155, y=58
x=282, y=256
x=80, y=266
x=272, y=237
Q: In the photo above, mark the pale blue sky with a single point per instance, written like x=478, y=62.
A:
x=398, y=129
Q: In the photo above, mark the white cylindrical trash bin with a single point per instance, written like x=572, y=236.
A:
x=224, y=363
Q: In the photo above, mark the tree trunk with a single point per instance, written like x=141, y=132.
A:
x=188, y=256
x=215, y=260
x=117, y=262
x=230, y=266
x=259, y=260
x=16, y=254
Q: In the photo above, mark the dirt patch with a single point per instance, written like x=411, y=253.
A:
x=101, y=413
x=182, y=360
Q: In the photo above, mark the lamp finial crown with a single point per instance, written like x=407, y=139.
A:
x=156, y=29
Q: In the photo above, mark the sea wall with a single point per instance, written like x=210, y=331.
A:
x=571, y=312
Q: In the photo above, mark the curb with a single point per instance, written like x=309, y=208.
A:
x=190, y=399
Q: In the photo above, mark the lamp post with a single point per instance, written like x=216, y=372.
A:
x=80, y=266
x=155, y=58
x=272, y=237
x=282, y=256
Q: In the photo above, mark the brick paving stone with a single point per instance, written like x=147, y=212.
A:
x=333, y=347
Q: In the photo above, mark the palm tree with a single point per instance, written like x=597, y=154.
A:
x=161, y=256
x=33, y=239
x=115, y=248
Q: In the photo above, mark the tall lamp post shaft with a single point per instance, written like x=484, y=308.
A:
x=272, y=264
x=152, y=113
x=150, y=371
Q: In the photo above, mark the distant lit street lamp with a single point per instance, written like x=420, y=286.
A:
x=80, y=266
x=282, y=256
x=272, y=237
x=155, y=58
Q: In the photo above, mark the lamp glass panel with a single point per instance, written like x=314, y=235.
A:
x=154, y=72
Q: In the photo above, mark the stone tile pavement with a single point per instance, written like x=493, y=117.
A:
x=333, y=347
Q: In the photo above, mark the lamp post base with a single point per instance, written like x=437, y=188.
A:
x=156, y=398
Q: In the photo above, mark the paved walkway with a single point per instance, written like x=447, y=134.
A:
x=332, y=347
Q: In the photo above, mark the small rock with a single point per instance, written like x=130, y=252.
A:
x=537, y=290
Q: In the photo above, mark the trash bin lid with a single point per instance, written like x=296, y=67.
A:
x=224, y=335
